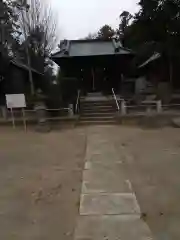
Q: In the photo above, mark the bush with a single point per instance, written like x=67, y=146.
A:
x=69, y=89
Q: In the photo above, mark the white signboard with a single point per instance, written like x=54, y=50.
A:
x=15, y=101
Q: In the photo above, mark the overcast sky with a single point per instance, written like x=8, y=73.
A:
x=77, y=18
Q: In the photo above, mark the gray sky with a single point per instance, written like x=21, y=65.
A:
x=77, y=18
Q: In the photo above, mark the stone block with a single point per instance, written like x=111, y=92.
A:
x=112, y=228
x=104, y=181
x=109, y=204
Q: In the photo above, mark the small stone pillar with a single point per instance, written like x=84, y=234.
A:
x=159, y=106
x=71, y=112
x=123, y=108
x=4, y=112
x=41, y=114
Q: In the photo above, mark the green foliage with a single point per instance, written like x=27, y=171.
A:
x=125, y=18
x=68, y=88
x=9, y=28
x=155, y=28
x=157, y=21
x=105, y=33
x=91, y=36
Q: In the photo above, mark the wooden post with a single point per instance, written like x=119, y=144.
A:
x=171, y=72
x=13, y=120
x=24, y=120
x=92, y=70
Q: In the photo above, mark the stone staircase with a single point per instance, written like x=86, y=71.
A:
x=97, y=109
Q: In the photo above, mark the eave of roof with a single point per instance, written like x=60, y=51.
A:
x=109, y=49
x=154, y=57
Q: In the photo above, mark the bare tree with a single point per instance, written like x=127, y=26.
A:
x=38, y=26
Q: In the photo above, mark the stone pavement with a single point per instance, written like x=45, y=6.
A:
x=108, y=207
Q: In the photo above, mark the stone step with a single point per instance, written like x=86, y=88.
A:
x=98, y=102
x=97, y=118
x=94, y=94
x=97, y=106
x=102, y=102
x=97, y=122
x=98, y=114
x=98, y=110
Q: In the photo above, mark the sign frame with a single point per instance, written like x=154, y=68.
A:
x=15, y=101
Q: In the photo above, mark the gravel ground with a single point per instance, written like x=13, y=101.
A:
x=152, y=161
x=40, y=183
x=41, y=174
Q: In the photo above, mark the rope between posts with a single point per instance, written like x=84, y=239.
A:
x=134, y=106
x=32, y=110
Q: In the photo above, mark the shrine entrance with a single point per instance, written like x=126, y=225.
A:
x=97, y=65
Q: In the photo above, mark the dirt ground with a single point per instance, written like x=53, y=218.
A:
x=40, y=180
x=152, y=163
x=40, y=183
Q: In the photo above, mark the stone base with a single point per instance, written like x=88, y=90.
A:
x=146, y=121
x=154, y=122
x=176, y=122
x=43, y=128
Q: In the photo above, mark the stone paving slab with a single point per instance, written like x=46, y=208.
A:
x=100, y=180
x=107, y=156
x=108, y=207
x=114, y=166
x=111, y=228
x=107, y=204
x=99, y=140
x=98, y=149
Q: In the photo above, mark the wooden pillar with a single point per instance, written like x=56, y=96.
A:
x=93, y=78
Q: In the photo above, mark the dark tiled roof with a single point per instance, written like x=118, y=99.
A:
x=81, y=48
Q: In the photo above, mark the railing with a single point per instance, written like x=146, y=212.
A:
x=146, y=107
x=31, y=116
x=115, y=98
x=31, y=113
x=78, y=102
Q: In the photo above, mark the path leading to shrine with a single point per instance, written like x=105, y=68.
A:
x=108, y=207
x=90, y=183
